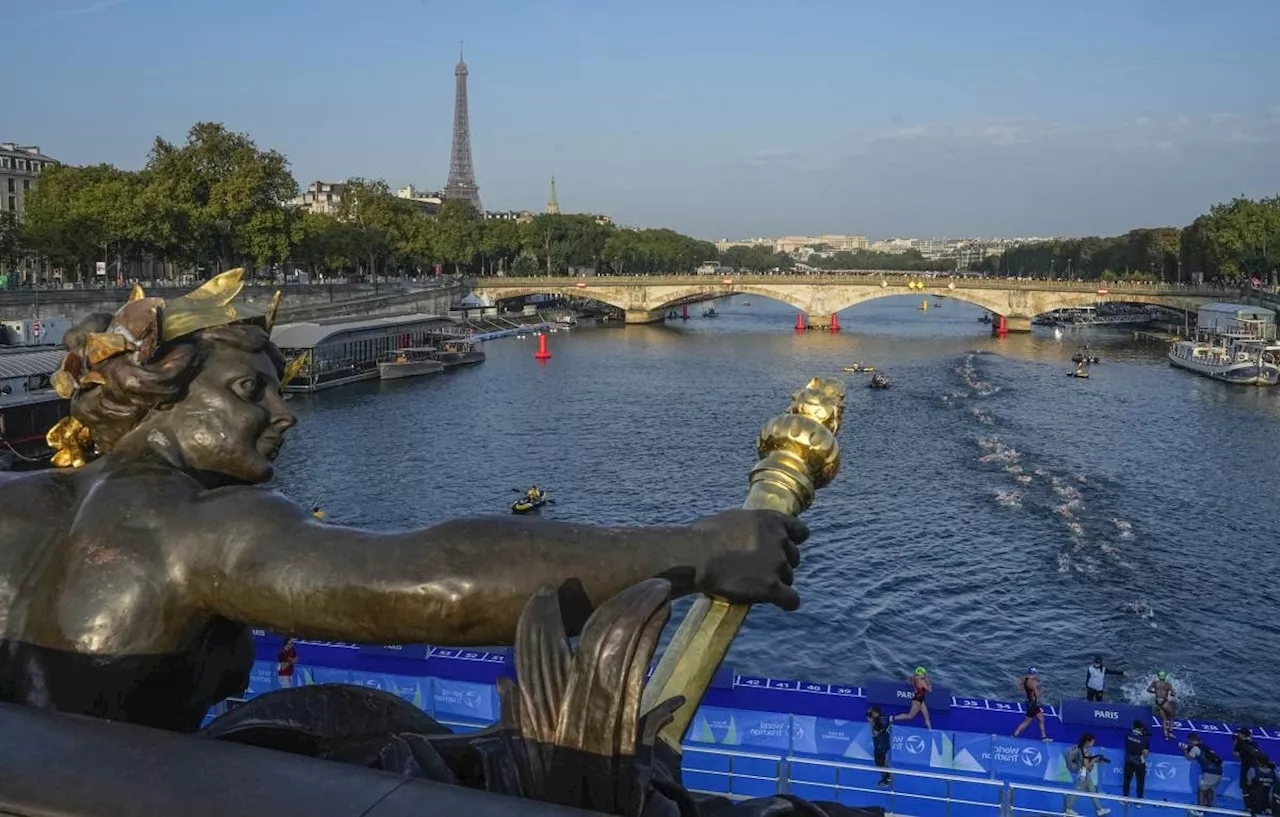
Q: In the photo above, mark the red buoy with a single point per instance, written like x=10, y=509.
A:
x=835, y=321
x=684, y=312
x=1002, y=328
x=542, y=353
x=800, y=323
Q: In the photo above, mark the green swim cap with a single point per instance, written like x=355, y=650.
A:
x=920, y=671
x=1161, y=674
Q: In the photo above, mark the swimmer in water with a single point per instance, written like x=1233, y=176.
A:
x=923, y=686
x=1163, y=690
x=1030, y=686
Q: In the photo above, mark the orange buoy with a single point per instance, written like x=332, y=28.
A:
x=835, y=321
x=800, y=324
x=542, y=353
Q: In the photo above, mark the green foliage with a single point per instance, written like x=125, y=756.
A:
x=909, y=261
x=756, y=258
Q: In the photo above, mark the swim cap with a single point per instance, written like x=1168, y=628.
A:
x=1031, y=670
x=1161, y=674
x=920, y=671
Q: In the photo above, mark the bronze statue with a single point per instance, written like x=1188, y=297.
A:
x=129, y=577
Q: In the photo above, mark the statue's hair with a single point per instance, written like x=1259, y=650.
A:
x=131, y=391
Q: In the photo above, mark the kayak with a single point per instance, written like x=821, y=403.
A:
x=526, y=505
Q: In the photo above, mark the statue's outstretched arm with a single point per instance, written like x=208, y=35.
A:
x=263, y=560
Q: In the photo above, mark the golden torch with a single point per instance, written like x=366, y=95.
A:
x=798, y=455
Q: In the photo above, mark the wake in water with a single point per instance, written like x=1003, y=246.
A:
x=1089, y=545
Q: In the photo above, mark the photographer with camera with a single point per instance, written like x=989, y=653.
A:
x=1084, y=766
x=1210, y=766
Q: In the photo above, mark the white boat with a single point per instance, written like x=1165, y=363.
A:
x=1233, y=343
x=410, y=362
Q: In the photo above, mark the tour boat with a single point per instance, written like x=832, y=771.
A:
x=412, y=361
x=460, y=353
x=1232, y=343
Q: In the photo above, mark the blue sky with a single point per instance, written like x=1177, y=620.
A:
x=719, y=118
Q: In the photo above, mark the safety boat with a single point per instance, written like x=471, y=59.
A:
x=879, y=381
x=527, y=504
x=1079, y=371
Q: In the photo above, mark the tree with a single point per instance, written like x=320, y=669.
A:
x=11, y=244
x=223, y=192
x=458, y=233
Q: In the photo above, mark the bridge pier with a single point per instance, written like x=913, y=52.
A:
x=644, y=315
x=1017, y=324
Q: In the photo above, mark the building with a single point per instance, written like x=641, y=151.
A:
x=426, y=202
x=518, y=216
x=341, y=350
x=20, y=167
x=553, y=206
x=792, y=243
x=321, y=197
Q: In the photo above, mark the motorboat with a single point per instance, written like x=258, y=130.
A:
x=879, y=381
x=412, y=361
x=460, y=352
x=1079, y=371
x=527, y=504
x=710, y=313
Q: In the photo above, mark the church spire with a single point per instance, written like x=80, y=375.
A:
x=553, y=206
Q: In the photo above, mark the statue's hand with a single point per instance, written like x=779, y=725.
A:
x=750, y=557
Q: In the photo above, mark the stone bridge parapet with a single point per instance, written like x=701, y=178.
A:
x=645, y=298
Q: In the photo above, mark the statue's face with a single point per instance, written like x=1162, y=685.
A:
x=233, y=419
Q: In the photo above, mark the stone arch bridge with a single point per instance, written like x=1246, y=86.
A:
x=645, y=299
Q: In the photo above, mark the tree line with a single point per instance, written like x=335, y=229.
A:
x=218, y=201
x=1233, y=242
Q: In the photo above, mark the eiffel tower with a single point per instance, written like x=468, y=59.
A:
x=462, y=176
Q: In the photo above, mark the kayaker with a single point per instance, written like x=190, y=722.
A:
x=534, y=494
x=1163, y=690
x=923, y=686
x=1030, y=686
x=316, y=512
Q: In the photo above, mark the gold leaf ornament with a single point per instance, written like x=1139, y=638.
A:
x=70, y=438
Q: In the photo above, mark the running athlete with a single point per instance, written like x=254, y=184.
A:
x=923, y=686
x=1163, y=690
x=1030, y=686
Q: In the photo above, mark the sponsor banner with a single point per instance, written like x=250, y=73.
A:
x=1025, y=759
x=1103, y=714
x=741, y=727
x=920, y=748
x=831, y=737
x=971, y=752
x=463, y=699
x=895, y=693
x=262, y=678
x=309, y=676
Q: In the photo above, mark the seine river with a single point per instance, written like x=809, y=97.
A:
x=991, y=513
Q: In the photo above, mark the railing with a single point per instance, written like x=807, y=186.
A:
x=931, y=283
x=1039, y=800
x=909, y=793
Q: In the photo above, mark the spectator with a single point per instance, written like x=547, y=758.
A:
x=1095, y=679
x=286, y=660
x=1210, y=766
x=1137, y=748
x=1084, y=766
x=880, y=742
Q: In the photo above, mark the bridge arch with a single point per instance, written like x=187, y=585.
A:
x=614, y=299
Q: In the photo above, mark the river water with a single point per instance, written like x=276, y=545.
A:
x=991, y=513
